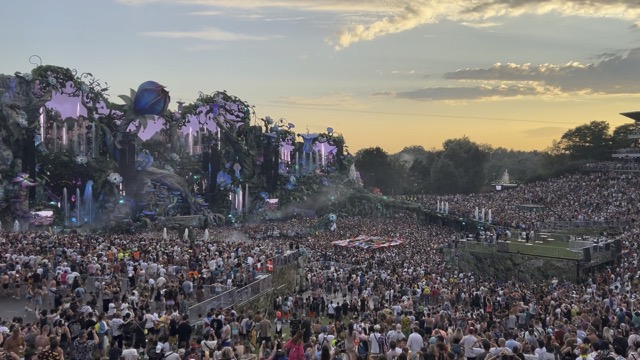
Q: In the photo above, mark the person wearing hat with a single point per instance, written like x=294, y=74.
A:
x=396, y=335
x=325, y=338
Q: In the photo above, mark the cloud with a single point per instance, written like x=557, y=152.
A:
x=375, y=18
x=481, y=25
x=332, y=99
x=614, y=74
x=383, y=93
x=466, y=93
x=416, y=13
x=208, y=34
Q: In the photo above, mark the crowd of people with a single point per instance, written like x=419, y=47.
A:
x=71, y=280
x=598, y=197
x=127, y=296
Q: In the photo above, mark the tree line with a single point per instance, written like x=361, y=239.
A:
x=463, y=166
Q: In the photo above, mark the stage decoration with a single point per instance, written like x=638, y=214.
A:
x=151, y=99
x=20, y=200
x=80, y=159
x=135, y=162
x=308, y=141
x=115, y=178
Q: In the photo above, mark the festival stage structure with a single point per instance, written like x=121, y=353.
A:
x=632, y=152
x=70, y=156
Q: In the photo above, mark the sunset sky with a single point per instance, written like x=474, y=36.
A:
x=389, y=73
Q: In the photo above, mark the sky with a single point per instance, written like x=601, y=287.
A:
x=388, y=73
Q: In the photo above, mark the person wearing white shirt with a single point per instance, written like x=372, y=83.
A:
x=129, y=353
x=415, y=343
x=540, y=350
x=171, y=355
x=326, y=339
x=150, y=321
x=163, y=346
x=470, y=342
x=153, y=268
x=374, y=344
x=548, y=354
x=331, y=310
x=396, y=309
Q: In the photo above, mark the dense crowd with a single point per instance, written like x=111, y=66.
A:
x=609, y=197
x=74, y=281
x=127, y=296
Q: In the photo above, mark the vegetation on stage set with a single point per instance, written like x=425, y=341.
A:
x=71, y=157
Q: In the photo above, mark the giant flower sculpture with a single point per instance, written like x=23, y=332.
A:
x=151, y=99
x=308, y=141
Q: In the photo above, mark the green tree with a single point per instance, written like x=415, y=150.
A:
x=522, y=165
x=419, y=174
x=446, y=177
x=377, y=169
x=468, y=159
x=590, y=141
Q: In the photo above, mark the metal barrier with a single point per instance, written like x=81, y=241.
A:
x=286, y=259
x=255, y=288
x=615, y=167
x=518, y=247
x=231, y=296
x=215, y=290
x=224, y=297
x=278, y=261
x=224, y=300
x=576, y=224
